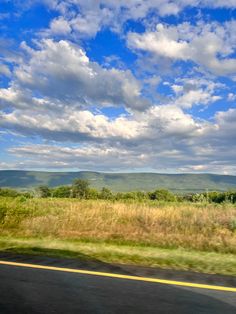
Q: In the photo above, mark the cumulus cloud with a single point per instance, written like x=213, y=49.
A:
x=72, y=157
x=226, y=124
x=4, y=70
x=231, y=97
x=64, y=99
x=193, y=148
x=75, y=126
x=156, y=123
x=61, y=72
x=86, y=18
x=208, y=45
x=59, y=26
x=195, y=91
x=54, y=101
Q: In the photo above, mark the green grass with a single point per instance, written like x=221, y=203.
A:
x=182, y=259
x=197, y=237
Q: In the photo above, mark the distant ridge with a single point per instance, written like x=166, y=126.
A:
x=120, y=182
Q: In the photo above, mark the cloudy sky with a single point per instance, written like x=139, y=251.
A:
x=117, y=85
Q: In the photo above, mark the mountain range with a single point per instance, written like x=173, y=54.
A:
x=120, y=182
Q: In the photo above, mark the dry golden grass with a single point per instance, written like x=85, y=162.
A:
x=192, y=226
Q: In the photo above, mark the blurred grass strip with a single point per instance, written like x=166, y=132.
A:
x=181, y=259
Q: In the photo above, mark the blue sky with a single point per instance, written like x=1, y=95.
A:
x=118, y=85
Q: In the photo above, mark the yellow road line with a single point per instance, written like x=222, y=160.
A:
x=119, y=276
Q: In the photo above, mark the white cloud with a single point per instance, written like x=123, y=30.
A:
x=4, y=70
x=57, y=94
x=59, y=26
x=192, y=92
x=153, y=81
x=177, y=88
x=70, y=126
x=226, y=123
x=193, y=97
x=74, y=81
x=172, y=142
x=208, y=45
x=157, y=122
x=165, y=42
x=71, y=157
x=231, y=97
x=54, y=101
x=86, y=18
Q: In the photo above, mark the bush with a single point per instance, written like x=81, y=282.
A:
x=9, y=192
x=106, y=194
x=199, y=198
x=43, y=191
x=162, y=195
x=62, y=192
x=93, y=194
x=220, y=197
x=80, y=188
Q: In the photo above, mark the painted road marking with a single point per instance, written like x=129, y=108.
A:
x=119, y=276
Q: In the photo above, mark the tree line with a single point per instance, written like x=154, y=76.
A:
x=81, y=189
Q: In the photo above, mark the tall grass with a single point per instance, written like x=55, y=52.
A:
x=207, y=227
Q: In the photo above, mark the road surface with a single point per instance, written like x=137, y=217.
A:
x=29, y=290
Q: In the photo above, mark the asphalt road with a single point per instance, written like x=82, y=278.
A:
x=27, y=290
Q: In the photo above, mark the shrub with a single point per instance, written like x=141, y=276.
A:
x=9, y=192
x=62, y=192
x=106, y=194
x=80, y=188
x=162, y=195
x=43, y=191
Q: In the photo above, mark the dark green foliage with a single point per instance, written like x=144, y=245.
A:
x=128, y=196
x=9, y=193
x=162, y=195
x=93, y=194
x=134, y=195
x=212, y=197
x=106, y=194
x=217, y=197
x=80, y=188
x=14, y=193
x=62, y=192
x=43, y=191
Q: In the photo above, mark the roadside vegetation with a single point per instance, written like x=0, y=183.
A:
x=158, y=228
x=80, y=189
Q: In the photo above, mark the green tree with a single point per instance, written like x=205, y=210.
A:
x=43, y=191
x=93, y=194
x=162, y=195
x=80, y=188
x=106, y=194
x=129, y=196
x=62, y=191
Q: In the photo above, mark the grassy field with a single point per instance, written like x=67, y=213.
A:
x=200, y=237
